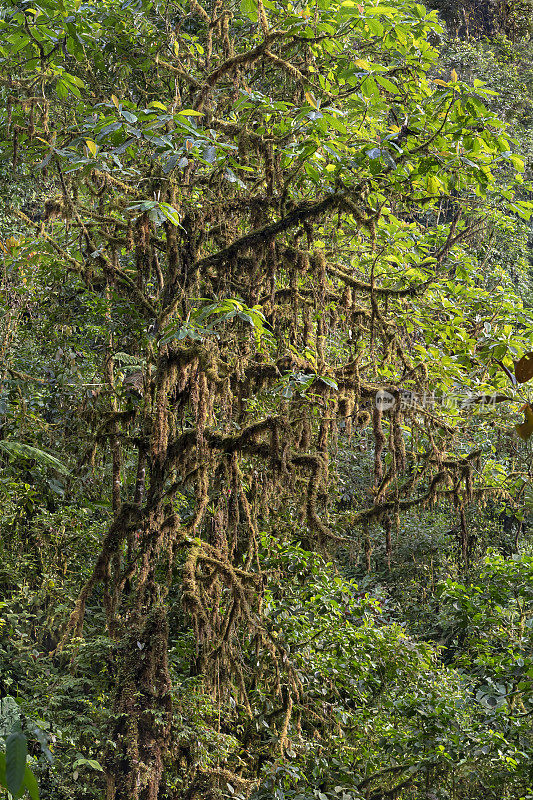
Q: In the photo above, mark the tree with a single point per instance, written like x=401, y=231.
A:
x=473, y=19
x=261, y=203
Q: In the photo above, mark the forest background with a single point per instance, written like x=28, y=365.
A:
x=265, y=465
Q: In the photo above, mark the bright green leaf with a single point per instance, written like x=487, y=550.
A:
x=16, y=753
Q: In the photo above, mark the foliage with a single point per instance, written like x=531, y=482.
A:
x=478, y=18
x=488, y=624
x=15, y=775
x=261, y=306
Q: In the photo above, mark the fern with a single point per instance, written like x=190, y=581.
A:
x=21, y=450
x=132, y=361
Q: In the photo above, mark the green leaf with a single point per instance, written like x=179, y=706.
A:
x=369, y=89
x=16, y=753
x=312, y=171
x=62, y=89
x=3, y=770
x=517, y=162
x=30, y=784
x=21, y=450
x=74, y=79
x=249, y=9
x=388, y=85
x=434, y=185
x=329, y=382
x=386, y=11
x=95, y=765
x=170, y=213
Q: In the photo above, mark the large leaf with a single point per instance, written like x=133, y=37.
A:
x=30, y=784
x=3, y=770
x=16, y=752
x=525, y=429
x=523, y=369
x=27, y=451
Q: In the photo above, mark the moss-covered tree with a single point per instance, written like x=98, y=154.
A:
x=271, y=203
